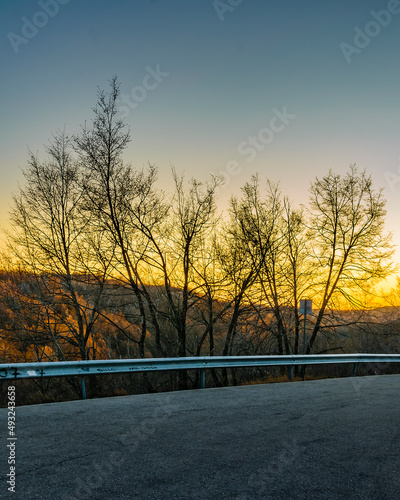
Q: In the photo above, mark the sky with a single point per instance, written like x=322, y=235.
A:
x=287, y=89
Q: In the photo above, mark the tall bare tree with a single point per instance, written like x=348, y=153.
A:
x=350, y=250
x=49, y=241
x=118, y=200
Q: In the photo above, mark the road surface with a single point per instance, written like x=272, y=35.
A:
x=322, y=439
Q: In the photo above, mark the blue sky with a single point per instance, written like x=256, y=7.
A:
x=225, y=76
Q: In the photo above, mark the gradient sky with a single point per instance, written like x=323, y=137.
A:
x=226, y=75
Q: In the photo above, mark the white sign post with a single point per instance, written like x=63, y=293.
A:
x=305, y=308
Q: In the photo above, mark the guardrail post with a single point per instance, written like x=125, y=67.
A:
x=202, y=378
x=355, y=369
x=83, y=387
x=291, y=368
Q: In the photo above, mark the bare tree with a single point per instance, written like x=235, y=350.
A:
x=350, y=251
x=49, y=241
x=297, y=268
x=272, y=247
x=118, y=200
x=152, y=249
x=175, y=254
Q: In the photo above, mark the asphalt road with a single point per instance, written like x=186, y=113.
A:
x=307, y=440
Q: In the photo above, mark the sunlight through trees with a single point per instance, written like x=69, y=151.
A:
x=101, y=263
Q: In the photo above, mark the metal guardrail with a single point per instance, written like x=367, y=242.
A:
x=15, y=371
x=12, y=371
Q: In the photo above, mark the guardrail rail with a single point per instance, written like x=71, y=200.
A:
x=16, y=371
